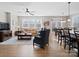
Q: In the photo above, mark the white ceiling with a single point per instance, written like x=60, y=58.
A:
x=40, y=8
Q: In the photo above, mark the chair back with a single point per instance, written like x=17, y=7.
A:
x=66, y=32
x=77, y=36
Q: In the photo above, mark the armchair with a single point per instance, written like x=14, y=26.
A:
x=42, y=39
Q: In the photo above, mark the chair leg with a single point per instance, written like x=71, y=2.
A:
x=65, y=45
x=69, y=48
x=33, y=45
x=61, y=42
x=48, y=44
x=58, y=39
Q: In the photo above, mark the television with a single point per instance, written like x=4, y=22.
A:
x=4, y=26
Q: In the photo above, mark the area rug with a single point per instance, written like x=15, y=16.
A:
x=25, y=42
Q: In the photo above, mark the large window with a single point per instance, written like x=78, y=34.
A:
x=34, y=23
x=56, y=23
x=75, y=21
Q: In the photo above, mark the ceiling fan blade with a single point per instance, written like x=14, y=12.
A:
x=30, y=13
x=26, y=9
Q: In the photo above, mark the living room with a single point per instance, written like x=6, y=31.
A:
x=34, y=29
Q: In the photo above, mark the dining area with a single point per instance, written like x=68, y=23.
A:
x=68, y=38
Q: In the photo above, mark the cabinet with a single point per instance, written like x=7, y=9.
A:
x=5, y=35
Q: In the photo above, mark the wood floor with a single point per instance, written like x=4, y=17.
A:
x=53, y=50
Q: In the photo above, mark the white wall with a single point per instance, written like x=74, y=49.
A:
x=2, y=17
x=14, y=22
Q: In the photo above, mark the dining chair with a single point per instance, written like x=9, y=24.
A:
x=60, y=36
x=69, y=39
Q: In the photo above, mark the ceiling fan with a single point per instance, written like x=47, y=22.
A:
x=29, y=12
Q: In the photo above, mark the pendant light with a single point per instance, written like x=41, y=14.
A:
x=69, y=11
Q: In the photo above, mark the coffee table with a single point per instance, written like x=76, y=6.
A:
x=24, y=36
